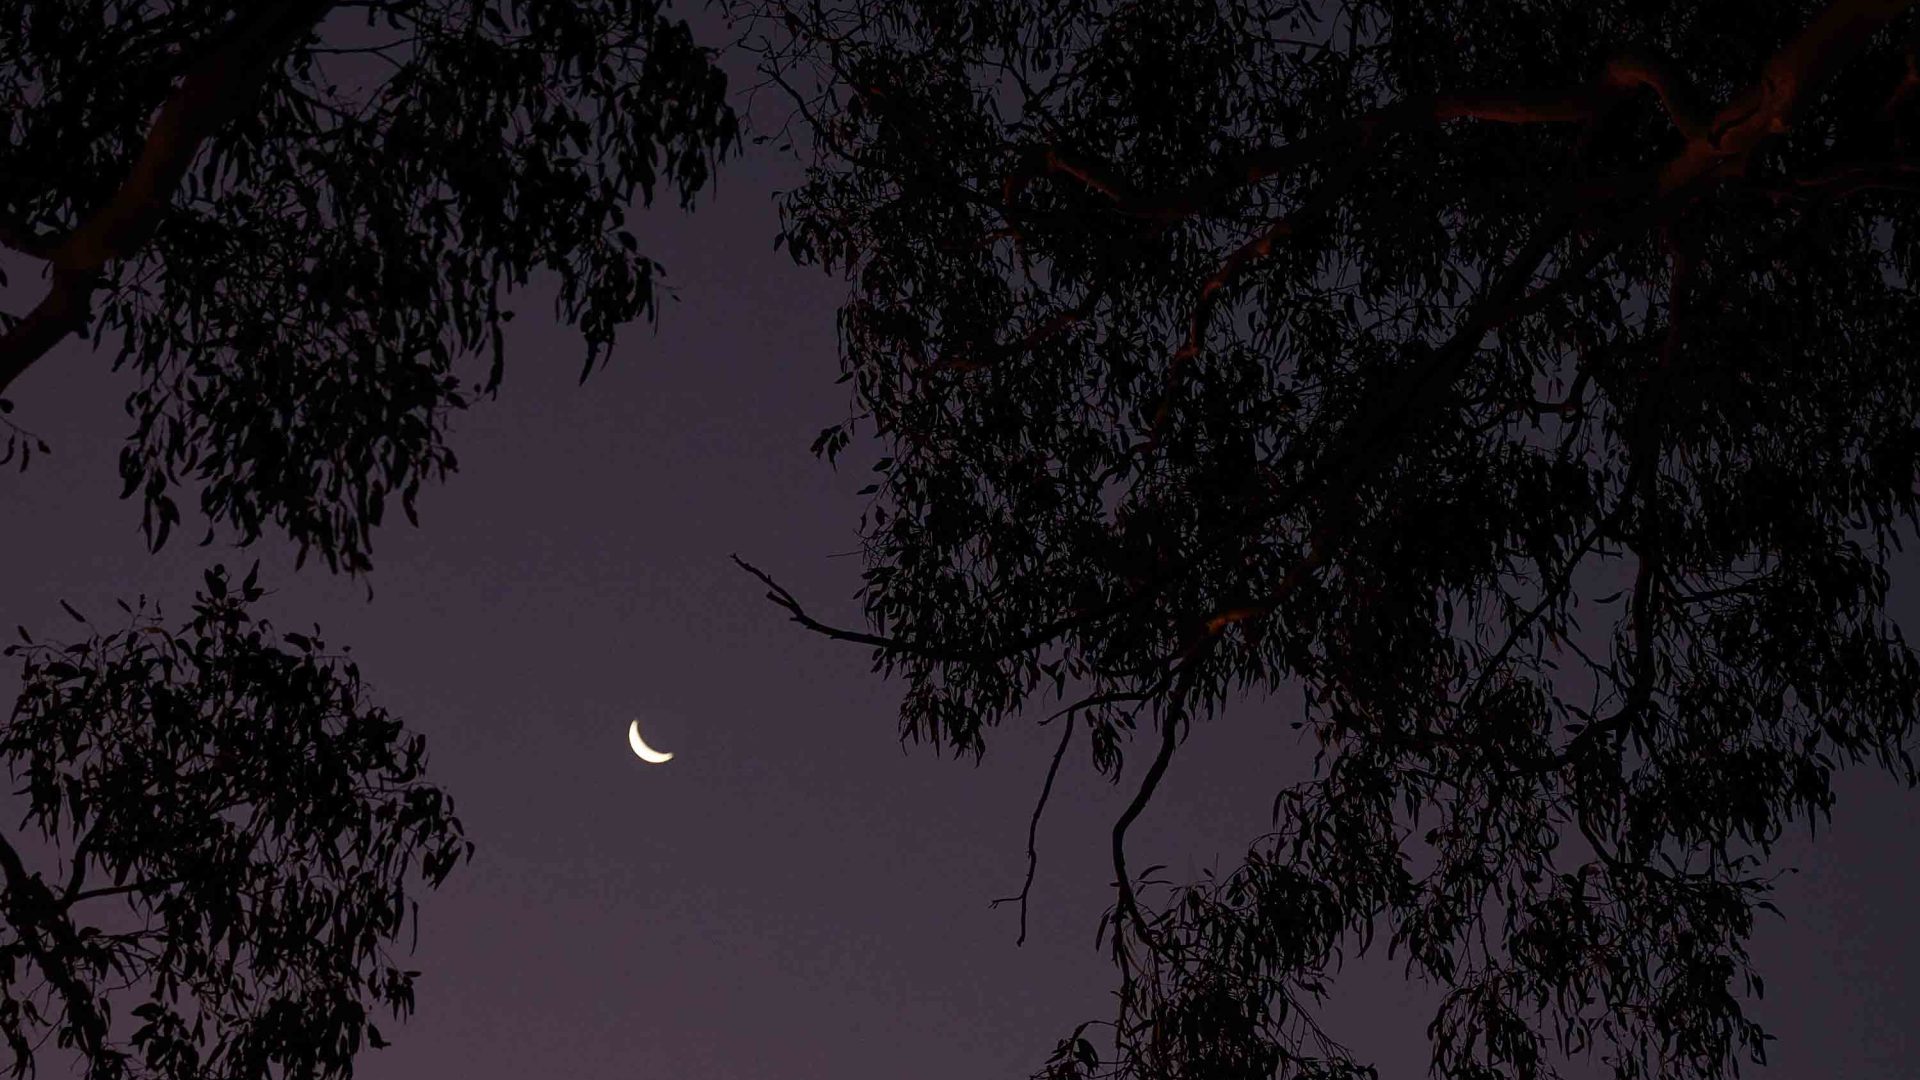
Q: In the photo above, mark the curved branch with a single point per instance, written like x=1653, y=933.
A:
x=1128, y=906
x=210, y=95
x=1641, y=67
x=1169, y=738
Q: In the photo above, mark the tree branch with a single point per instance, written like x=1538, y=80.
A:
x=210, y=95
x=1033, y=827
x=1128, y=906
x=62, y=311
x=1033, y=339
x=143, y=885
x=778, y=593
x=29, y=905
x=1033, y=639
x=1791, y=79
x=1642, y=67
x=77, y=874
x=1576, y=193
x=18, y=236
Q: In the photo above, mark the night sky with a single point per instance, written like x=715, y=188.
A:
x=792, y=896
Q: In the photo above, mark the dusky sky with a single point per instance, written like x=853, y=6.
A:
x=792, y=896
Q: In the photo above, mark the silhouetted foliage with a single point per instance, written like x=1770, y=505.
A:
x=293, y=219
x=1526, y=383
x=235, y=830
x=297, y=223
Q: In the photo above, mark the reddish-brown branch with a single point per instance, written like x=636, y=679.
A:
x=1094, y=176
x=210, y=95
x=1257, y=248
x=1639, y=67
x=1790, y=80
x=1319, y=551
x=1049, y=160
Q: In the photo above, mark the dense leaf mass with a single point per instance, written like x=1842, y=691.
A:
x=239, y=829
x=1528, y=383
x=297, y=310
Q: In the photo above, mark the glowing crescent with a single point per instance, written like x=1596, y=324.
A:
x=647, y=753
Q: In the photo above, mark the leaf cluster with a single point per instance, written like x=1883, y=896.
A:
x=235, y=834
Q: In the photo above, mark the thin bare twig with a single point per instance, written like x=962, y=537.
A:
x=1033, y=833
x=1033, y=639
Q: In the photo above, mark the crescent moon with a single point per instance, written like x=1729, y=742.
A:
x=646, y=753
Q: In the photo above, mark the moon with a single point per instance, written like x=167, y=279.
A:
x=646, y=753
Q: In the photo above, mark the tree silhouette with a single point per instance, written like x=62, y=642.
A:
x=1525, y=383
x=295, y=221
x=295, y=218
x=235, y=829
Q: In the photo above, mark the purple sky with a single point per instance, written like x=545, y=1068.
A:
x=791, y=896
